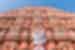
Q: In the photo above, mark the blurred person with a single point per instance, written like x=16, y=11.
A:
x=64, y=45
x=31, y=45
x=23, y=45
x=1, y=44
x=73, y=44
x=38, y=35
x=13, y=45
x=69, y=44
x=51, y=45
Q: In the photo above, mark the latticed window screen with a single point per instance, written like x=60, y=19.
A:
x=35, y=29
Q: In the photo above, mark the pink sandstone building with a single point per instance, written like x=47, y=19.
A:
x=33, y=28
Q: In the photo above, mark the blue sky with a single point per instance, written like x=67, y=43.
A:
x=66, y=5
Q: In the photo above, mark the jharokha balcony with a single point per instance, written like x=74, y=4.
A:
x=19, y=28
